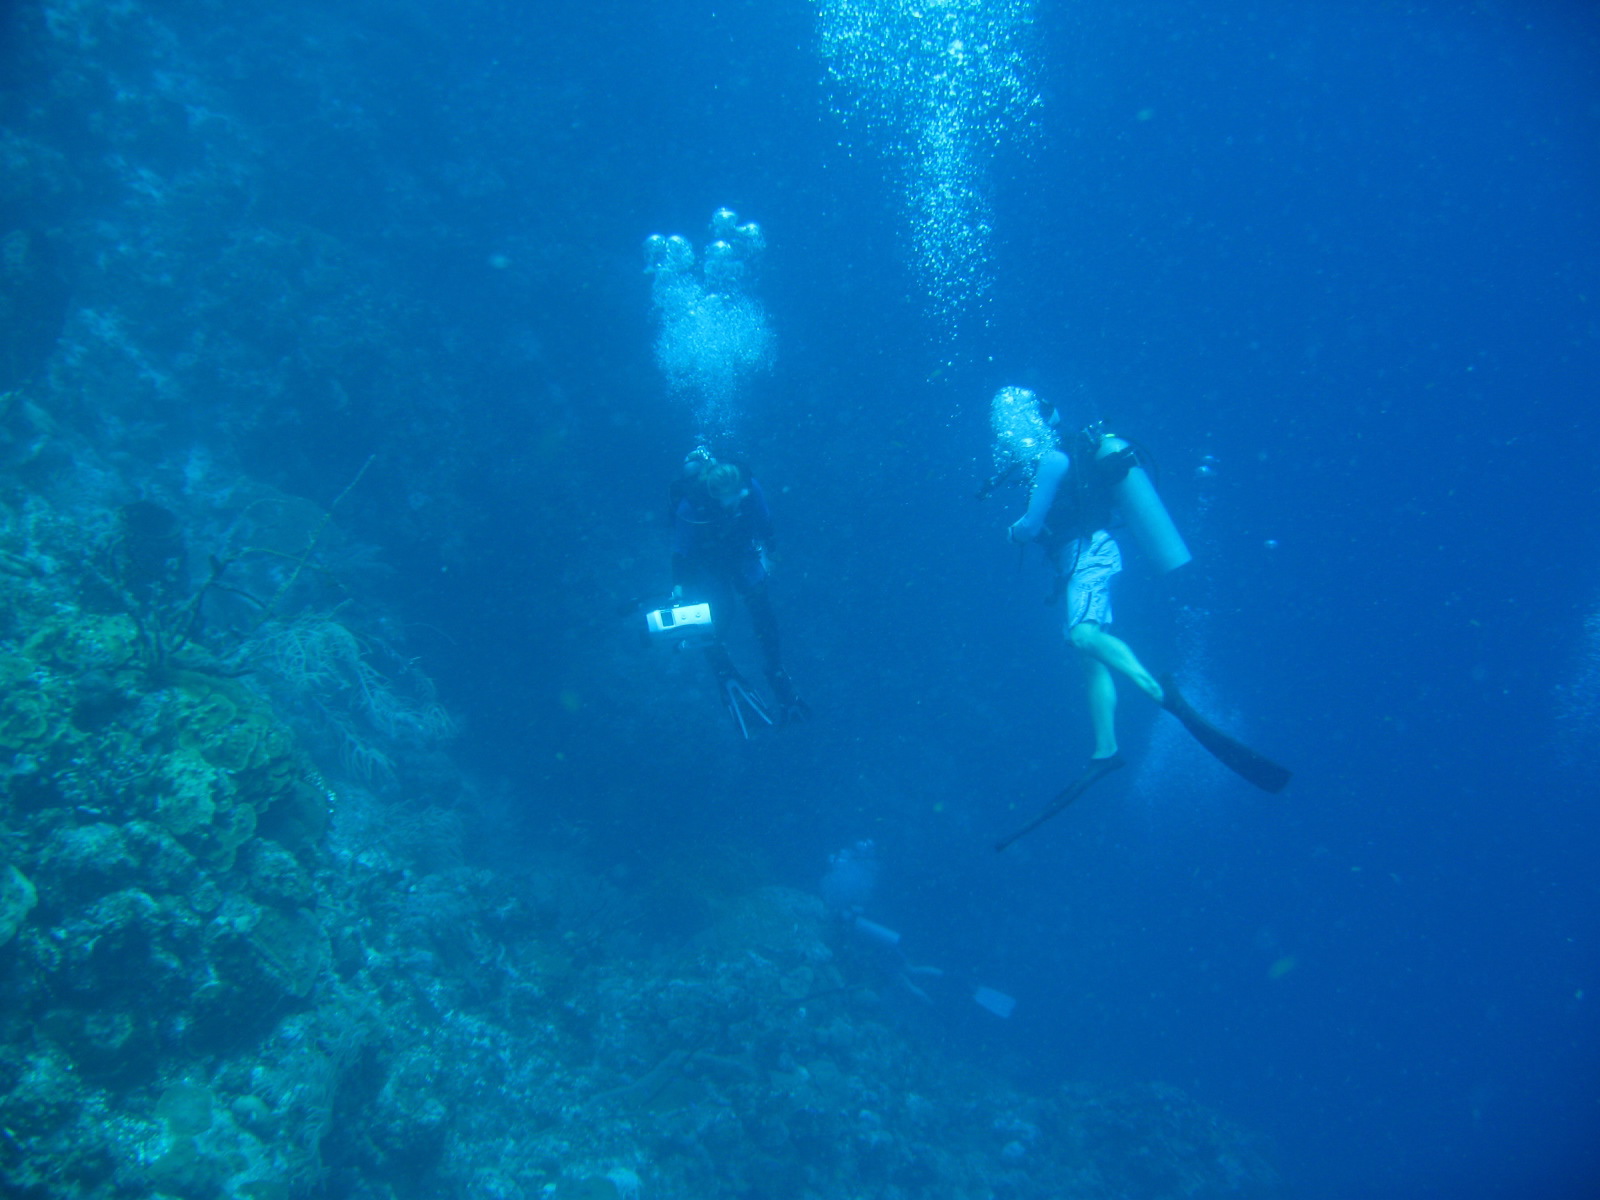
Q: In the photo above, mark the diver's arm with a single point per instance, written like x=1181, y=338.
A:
x=1052, y=470
x=758, y=519
x=686, y=539
x=762, y=532
x=685, y=534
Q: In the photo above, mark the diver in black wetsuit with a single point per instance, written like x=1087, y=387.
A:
x=721, y=535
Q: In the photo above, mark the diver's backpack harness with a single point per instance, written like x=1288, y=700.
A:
x=1107, y=475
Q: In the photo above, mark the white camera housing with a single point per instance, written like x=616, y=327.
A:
x=682, y=623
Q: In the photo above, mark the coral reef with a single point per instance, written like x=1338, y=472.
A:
x=224, y=977
x=246, y=949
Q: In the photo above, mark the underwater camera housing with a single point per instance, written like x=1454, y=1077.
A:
x=682, y=625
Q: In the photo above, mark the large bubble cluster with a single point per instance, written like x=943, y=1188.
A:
x=713, y=333
x=940, y=84
x=1020, y=431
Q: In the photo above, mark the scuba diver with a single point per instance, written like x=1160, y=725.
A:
x=847, y=889
x=1075, y=492
x=721, y=534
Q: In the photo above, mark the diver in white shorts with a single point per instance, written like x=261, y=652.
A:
x=1068, y=511
x=1073, y=495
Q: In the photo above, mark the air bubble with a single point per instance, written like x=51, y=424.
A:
x=941, y=86
x=1020, y=432
x=713, y=335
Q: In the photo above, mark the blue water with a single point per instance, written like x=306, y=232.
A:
x=1351, y=251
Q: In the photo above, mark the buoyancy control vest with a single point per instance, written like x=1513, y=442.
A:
x=1105, y=479
x=1083, y=502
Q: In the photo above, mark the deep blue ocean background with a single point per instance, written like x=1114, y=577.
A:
x=1350, y=251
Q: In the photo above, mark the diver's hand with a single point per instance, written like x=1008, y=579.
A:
x=1017, y=533
x=677, y=592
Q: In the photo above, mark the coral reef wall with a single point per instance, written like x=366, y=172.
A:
x=247, y=948
x=237, y=229
x=281, y=240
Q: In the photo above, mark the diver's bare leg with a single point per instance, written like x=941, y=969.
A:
x=1115, y=653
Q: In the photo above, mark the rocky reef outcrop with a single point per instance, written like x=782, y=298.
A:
x=245, y=951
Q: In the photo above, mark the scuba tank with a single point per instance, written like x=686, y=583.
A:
x=1142, y=509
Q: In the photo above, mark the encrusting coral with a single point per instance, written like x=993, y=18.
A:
x=223, y=978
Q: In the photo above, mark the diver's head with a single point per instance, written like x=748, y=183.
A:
x=1024, y=426
x=725, y=484
x=699, y=460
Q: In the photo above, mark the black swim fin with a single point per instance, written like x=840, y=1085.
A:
x=1229, y=751
x=743, y=705
x=791, y=708
x=1097, y=770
